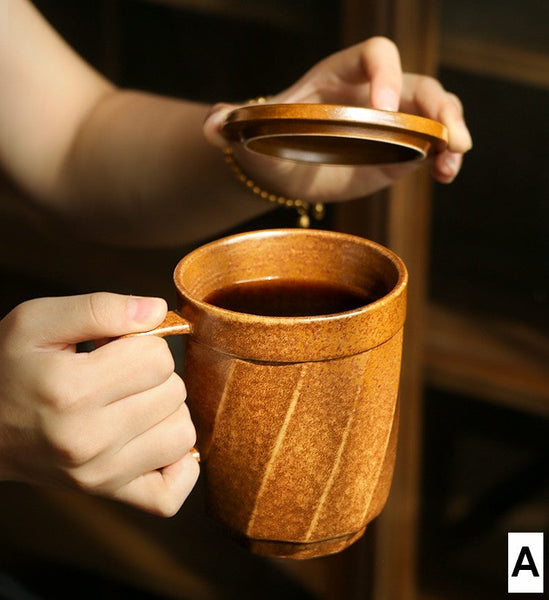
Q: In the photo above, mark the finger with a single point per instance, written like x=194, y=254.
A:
x=162, y=492
x=50, y=323
x=451, y=115
x=134, y=415
x=381, y=61
x=103, y=433
x=122, y=368
x=422, y=95
x=71, y=383
x=161, y=445
x=446, y=166
x=427, y=97
x=369, y=72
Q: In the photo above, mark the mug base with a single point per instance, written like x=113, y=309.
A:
x=301, y=550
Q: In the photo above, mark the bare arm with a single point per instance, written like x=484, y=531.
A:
x=131, y=166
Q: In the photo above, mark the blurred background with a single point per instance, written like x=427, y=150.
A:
x=473, y=454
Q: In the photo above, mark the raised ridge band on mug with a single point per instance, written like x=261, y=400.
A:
x=249, y=255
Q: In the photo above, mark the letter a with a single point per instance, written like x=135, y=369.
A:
x=529, y=566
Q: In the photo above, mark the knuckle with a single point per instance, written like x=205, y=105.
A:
x=187, y=431
x=159, y=357
x=424, y=82
x=166, y=506
x=179, y=436
x=150, y=356
x=382, y=43
x=178, y=389
x=98, y=304
x=20, y=319
x=170, y=507
x=71, y=448
x=89, y=480
x=55, y=392
x=454, y=98
x=168, y=503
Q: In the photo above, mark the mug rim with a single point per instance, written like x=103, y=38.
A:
x=273, y=335
x=275, y=232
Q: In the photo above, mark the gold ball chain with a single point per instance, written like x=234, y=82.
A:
x=304, y=209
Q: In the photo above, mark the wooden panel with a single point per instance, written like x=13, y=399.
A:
x=499, y=361
x=496, y=60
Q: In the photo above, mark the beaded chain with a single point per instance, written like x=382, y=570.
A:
x=304, y=209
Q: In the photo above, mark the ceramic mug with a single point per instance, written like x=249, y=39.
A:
x=296, y=416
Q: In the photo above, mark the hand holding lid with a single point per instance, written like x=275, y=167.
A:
x=352, y=125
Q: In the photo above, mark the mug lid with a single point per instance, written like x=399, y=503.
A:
x=334, y=134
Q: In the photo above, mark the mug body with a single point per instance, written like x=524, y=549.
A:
x=296, y=416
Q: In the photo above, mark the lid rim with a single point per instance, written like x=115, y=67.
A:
x=331, y=123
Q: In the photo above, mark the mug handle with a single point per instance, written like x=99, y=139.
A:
x=173, y=324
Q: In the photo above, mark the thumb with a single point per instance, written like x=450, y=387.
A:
x=73, y=319
x=381, y=60
x=214, y=123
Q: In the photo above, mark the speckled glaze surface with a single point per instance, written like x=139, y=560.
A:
x=297, y=417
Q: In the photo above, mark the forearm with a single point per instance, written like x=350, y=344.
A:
x=124, y=166
x=140, y=171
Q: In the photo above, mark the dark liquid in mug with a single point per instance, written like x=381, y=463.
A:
x=289, y=297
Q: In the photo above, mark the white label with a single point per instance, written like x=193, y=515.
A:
x=525, y=562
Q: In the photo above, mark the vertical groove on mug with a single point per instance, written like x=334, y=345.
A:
x=380, y=472
x=365, y=466
x=223, y=399
x=337, y=459
x=299, y=475
x=249, y=423
x=278, y=443
x=380, y=490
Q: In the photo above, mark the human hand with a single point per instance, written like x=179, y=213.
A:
x=112, y=421
x=367, y=74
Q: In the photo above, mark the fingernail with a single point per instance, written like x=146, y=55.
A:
x=450, y=165
x=142, y=310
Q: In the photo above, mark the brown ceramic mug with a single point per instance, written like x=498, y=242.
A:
x=296, y=416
